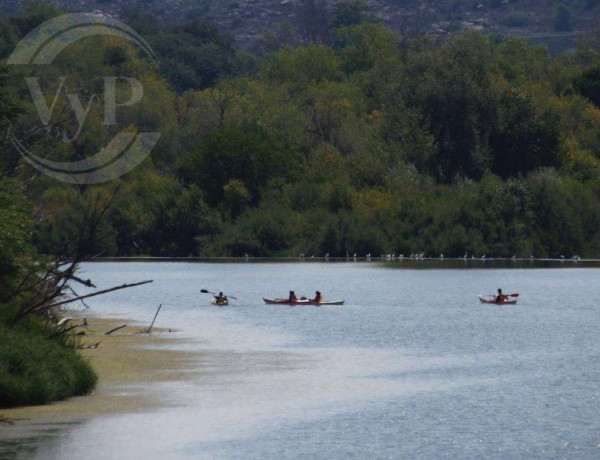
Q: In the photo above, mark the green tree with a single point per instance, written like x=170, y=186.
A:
x=36, y=12
x=193, y=55
x=455, y=98
x=350, y=13
x=245, y=153
x=588, y=84
x=525, y=140
x=366, y=44
x=236, y=197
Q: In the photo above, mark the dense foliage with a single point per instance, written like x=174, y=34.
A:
x=363, y=142
x=37, y=365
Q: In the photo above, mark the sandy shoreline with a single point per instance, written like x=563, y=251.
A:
x=129, y=366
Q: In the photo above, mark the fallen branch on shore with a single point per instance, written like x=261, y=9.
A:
x=115, y=329
x=10, y=421
x=91, y=346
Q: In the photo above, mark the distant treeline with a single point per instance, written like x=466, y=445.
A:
x=366, y=142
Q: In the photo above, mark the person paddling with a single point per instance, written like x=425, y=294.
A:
x=221, y=299
x=292, y=298
x=501, y=298
x=318, y=297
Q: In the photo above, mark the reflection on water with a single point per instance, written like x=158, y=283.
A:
x=411, y=366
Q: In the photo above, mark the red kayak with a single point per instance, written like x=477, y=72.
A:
x=302, y=302
x=492, y=299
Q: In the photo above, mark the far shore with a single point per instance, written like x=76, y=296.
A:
x=394, y=262
x=128, y=362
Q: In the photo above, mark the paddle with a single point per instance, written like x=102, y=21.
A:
x=204, y=291
x=516, y=294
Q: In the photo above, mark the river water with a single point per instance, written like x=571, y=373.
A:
x=412, y=366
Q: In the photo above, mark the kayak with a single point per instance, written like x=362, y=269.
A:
x=492, y=299
x=213, y=300
x=302, y=302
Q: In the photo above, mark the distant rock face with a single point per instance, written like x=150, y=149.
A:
x=249, y=20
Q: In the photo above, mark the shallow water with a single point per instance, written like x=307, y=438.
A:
x=411, y=367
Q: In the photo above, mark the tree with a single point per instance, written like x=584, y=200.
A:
x=36, y=12
x=301, y=66
x=245, y=153
x=365, y=45
x=314, y=19
x=193, y=55
x=588, y=84
x=236, y=197
x=525, y=140
x=455, y=98
x=350, y=13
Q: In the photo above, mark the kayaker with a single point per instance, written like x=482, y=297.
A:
x=292, y=298
x=318, y=297
x=500, y=298
x=221, y=299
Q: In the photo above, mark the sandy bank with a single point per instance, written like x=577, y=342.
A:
x=130, y=367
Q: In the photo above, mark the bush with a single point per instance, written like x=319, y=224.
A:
x=38, y=370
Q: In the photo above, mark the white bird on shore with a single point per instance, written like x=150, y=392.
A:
x=483, y=257
x=441, y=255
x=514, y=257
x=327, y=256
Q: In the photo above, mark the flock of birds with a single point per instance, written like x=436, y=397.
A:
x=422, y=256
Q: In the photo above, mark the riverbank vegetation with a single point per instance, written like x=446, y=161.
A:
x=38, y=361
x=361, y=142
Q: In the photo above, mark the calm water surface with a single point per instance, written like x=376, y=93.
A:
x=411, y=367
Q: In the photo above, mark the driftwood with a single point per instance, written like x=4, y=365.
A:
x=64, y=330
x=91, y=346
x=104, y=291
x=64, y=321
x=150, y=328
x=115, y=329
x=10, y=421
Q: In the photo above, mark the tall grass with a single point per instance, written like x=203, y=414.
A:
x=36, y=368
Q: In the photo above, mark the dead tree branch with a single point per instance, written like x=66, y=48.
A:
x=104, y=291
